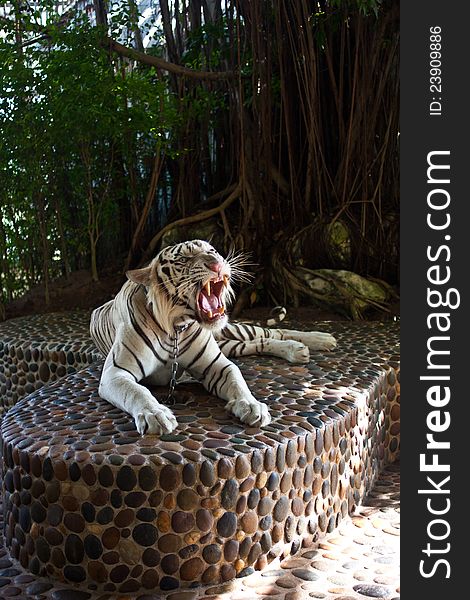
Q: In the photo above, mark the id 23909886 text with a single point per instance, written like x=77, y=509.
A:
x=435, y=70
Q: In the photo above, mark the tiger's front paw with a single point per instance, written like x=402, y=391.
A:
x=296, y=352
x=154, y=418
x=250, y=411
x=317, y=340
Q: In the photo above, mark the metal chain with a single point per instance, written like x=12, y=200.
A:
x=170, y=400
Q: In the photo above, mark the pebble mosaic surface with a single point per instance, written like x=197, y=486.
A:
x=358, y=561
x=40, y=349
x=90, y=502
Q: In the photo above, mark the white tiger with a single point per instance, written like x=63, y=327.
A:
x=186, y=288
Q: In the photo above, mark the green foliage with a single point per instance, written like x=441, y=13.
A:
x=74, y=122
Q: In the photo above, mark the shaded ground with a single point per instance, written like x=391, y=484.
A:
x=79, y=291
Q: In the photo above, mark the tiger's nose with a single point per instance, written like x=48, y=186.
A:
x=215, y=266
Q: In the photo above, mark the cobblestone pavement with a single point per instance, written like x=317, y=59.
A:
x=359, y=560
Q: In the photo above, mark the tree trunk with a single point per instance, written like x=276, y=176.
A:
x=168, y=31
x=62, y=241
x=93, y=263
x=42, y=218
x=101, y=12
x=5, y=290
x=134, y=11
x=149, y=199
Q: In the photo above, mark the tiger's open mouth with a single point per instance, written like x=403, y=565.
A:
x=209, y=300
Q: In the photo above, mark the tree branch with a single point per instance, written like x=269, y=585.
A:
x=192, y=219
x=160, y=63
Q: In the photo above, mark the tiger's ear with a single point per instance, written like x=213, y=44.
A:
x=140, y=275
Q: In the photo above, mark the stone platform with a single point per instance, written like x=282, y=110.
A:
x=40, y=349
x=357, y=561
x=90, y=502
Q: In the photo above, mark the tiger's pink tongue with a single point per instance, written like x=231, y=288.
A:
x=210, y=303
